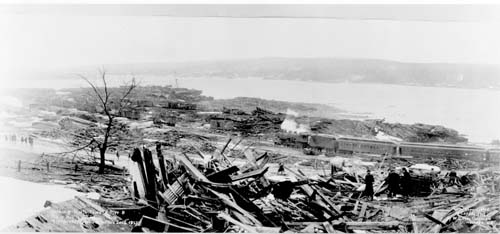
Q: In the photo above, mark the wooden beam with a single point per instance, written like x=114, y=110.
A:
x=414, y=224
x=311, y=190
x=220, y=176
x=151, y=192
x=255, y=173
x=373, y=225
x=328, y=227
x=362, y=212
x=225, y=146
x=248, y=228
x=226, y=200
x=237, y=143
x=161, y=163
x=191, y=169
x=250, y=206
x=136, y=157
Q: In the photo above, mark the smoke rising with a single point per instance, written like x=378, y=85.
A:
x=291, y=125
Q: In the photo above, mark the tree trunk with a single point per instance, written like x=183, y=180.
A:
x=104, y=146
x=102, y=152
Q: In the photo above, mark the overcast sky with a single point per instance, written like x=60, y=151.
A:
x=64, y=36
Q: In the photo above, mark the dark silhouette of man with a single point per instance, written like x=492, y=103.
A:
x=281, y=169
x=369, y=185
x=393, y=182
x=406, y=183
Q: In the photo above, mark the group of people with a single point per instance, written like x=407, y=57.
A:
x=397, y=184
x=23, y=139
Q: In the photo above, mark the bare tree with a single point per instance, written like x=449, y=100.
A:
x=112, y=103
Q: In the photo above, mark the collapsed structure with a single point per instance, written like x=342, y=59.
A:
x=259, y=121
x=210, y=194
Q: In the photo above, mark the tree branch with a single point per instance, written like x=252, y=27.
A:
x=78, y=149
x=94, y=88
x=103, y=77
x=129, y=90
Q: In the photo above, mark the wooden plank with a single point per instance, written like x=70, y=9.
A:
x=459, y=211
x=432, y=219
x=225, y=146
x=237, y=143
x=248, y=228
x=322, y=196
x=170, y=218
x=373, y=225
x=136, y=157
x=250, y=157
x=250, y=206
x=362, y=212
x=371, y=215
x=328, y=227
x=265, y=159
x=255, y=173
x=414, y=224
x=241, y=217
x=161, y=163
x=220, y=176
x=310, y=191
x=355, y=210
x=192, y=169
x=264, y=155
x=226, y=200
x=152, y=191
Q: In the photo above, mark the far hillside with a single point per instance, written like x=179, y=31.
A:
x=330, y=70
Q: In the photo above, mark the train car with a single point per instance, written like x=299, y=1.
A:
x=323, y=143
x=292, y=139
x=439, y=150
x=493, y=155
x=351, y=145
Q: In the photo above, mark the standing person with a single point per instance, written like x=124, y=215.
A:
x=406, y=183
x=30, y=140
x=393, y=181
x=333, y=170
x=281, y=169
x=369, y=185
x=117, y=155
x=453, y=179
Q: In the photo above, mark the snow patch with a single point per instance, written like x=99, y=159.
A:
x=383, y=136
x=10, y=101
x=21, y=199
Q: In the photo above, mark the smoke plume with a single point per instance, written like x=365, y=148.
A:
x=291, y=125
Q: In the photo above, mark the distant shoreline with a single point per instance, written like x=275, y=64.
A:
x=320, y=69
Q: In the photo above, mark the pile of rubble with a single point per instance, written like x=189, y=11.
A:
x=370, y=128
x=208, y=193
x=259, y=121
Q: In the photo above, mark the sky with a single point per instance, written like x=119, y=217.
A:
x=62, y=36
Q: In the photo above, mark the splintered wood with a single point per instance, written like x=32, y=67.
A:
x=216, y=196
